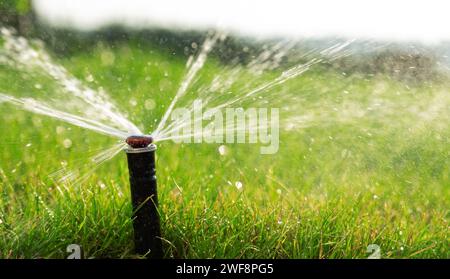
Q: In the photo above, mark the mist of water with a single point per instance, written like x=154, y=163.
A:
x=95, y=110
x=95, y=106
x=32, y=105
x=213, y=96
x=193, y=68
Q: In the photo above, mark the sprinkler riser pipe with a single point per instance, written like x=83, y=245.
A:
x=144, y=198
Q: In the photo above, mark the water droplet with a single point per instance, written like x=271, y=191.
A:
x=223, y=150
x=38, y=86
x=280, y=222
x=60, y=130
x=107, y=58
x=279, y=191
x=375, y=197
x=28, y=144
x=149, y=104
x=90, y=78
x=238, y=185
x=67, y=143
x=133, y=102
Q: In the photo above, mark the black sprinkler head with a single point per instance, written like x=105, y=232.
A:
x=139, y=141
x=144, y=196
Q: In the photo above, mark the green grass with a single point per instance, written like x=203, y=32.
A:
x=340, y=183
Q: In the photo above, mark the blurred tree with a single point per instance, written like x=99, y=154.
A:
x=18, y=14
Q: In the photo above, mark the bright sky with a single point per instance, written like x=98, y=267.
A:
x=425, y=20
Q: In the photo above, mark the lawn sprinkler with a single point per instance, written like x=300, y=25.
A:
x=144, y=197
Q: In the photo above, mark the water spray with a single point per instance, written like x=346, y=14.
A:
x=144, y=197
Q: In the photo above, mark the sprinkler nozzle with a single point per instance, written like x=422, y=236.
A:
x=139, y=141
x=144, y=196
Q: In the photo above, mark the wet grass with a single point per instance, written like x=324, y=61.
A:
x=370, y=166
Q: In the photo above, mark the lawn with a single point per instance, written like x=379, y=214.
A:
x=367, y=162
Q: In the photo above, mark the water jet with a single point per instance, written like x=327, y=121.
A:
x=144, y=197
